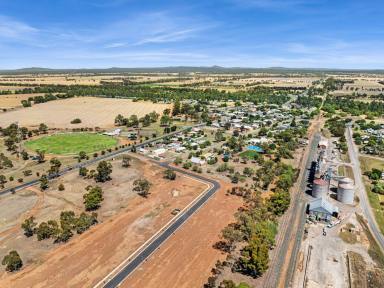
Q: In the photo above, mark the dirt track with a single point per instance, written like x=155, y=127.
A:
x=186, y=259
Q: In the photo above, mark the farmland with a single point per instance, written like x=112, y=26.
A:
x=93, y=112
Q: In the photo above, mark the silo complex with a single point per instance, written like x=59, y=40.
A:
x=319, y=188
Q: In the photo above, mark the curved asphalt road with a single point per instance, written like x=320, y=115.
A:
x=123, y=273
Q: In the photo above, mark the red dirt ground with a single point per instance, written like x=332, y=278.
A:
x=86, y=259
x=186, y=259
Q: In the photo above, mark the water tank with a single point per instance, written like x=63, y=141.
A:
x=345, y=180
x=346, y=193
x=319, y=188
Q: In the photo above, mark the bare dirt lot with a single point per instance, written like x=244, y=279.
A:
x=186, y=259
x=93, y=112
x=127, y=221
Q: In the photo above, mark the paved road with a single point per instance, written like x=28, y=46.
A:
x=92, y=161
x=360, y=187
x=151, y=247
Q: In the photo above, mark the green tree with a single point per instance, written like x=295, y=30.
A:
x=85, y=221
x=47, y=230
x=55, y=167
x=43, y=128
x=176, y=107
x=12, y=261
x=142, y=186
x=40, y=156
x=254, y=259
x=82, y=155
x=3, y=180
x=279, y=202
x=43, y=182
x=10, y=143
x=104, y=170
x=120, y=120
x=133, y=121
x=126, y=162
x=93, y=198
x=83, y=171
x=28, y=226
x=170, y=174
x=219, y=136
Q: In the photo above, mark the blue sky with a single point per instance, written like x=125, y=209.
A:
x=152, y=33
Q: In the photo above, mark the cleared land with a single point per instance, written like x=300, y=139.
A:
x=128, y=220
x=186, y=258
x=71, y=143
x=93, y=112
x=14, y=100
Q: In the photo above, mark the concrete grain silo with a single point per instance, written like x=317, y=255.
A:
x=345, y=180
x=319, y=188
x=346, y=193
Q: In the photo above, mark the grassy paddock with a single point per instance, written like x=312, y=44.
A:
x=368, y=164
x=71, y=143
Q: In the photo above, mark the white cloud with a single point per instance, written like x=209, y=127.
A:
x=14, y=29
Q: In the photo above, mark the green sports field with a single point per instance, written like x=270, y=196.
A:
x=71, y=143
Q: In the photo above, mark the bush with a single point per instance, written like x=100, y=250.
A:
x=61, y=187
x=93, y=198
x=28, y=226
x=76, y=121
x=169, y=174
x=12, y=261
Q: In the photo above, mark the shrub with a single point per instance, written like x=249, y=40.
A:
x=76, y=121
x=12, y=261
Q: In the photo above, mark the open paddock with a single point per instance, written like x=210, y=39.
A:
x=93, y=112
x=14, y=100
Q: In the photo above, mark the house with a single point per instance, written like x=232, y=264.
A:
x=143, y=150
x=255, y=141
x=197, y=161
x=322, y=209
x=115, y=132
x=159, y=151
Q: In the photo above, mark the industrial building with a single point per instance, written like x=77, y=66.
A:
x=322, y=210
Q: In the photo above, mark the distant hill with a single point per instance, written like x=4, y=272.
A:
x=185, y=69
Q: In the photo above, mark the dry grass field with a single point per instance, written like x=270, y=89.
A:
x=14, y=100
x=93, y=112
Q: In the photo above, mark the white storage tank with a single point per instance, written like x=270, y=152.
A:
x=345, y=180
x=319, y=188
x=346, y=193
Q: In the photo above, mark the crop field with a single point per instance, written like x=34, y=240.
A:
x=71, y=143
x=93, y=112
